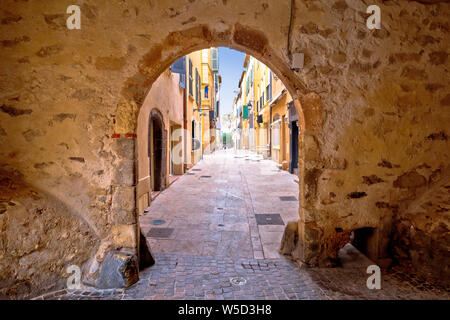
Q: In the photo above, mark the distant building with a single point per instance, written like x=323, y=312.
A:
x=264, y=120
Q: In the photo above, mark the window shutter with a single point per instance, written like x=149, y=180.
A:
x=214, y=59
x=199, y=90
x=190, y=77
x=245, y=112
x=179, y=66
x=270, y=85
x=196, y=85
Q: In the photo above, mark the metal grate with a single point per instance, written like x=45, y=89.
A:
x=160, y=232
x=269, y=219
x=288, y=198
x=190, y=174
x=205, y=176
x=196, y=169
x=238, y=281
x=158, y=222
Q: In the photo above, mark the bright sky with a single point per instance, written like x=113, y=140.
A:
x=230, y=68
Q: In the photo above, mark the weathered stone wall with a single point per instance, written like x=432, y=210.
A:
x=374, y=113
x=39, y=239
x=379, y=121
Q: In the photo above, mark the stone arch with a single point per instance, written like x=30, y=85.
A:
x=85, y=156
x=238, y=37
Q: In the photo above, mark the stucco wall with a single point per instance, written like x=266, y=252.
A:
x=166, y=96
x=374, y=112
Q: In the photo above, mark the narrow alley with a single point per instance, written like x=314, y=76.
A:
x=225, y=149
x=230, y=204
x=224, y=243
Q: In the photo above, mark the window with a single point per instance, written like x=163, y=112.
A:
x=199, y=89
x=276, y=134
x=183, y=80
x=205, y=57
x=206, y=92
x=193, y=135
x=205, y=73
x=269, y=87
x=190, y=77
x=214, y=59
x=197, y=83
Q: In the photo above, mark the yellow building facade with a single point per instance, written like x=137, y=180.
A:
x=200, y=99
x=279, y=123
x=193, y=124
x=263, y=104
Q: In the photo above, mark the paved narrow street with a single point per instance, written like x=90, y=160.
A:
x=215, y=234
x=231, y=204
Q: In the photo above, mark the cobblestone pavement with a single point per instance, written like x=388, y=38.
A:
x=212, y=210
x=211, y=246
x=197, y=277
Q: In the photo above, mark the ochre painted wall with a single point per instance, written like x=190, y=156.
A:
x=166, y=96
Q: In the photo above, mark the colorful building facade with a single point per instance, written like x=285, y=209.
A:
x=263, y=120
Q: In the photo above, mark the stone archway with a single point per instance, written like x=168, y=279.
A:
x=364, y=157
x=236, y=41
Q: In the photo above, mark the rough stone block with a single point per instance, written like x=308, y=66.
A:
x=313, y=112
x=124, y=148
x=124, y=235
x=118, y=270
x=123, y=207
x=124, y=198
x=124, y=173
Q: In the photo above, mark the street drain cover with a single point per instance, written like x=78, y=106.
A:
x=238, y=281
x=219, y=208
x=158, y=222
x=160, y=232
x=288, y=198
x=196, y=170
x=190, y=174
x=221, y=225
x=205, y=176
x=269, y=219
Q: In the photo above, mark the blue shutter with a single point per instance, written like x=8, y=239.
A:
x=183, y=81
x=191, y=79
x=179, y=66
x=270, y=85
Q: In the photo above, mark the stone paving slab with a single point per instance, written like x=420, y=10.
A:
x=216, y=238
x=185, y=277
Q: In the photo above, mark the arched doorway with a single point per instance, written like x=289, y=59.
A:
x=157, y=151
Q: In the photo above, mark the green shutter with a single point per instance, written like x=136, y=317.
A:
x=245, y=112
